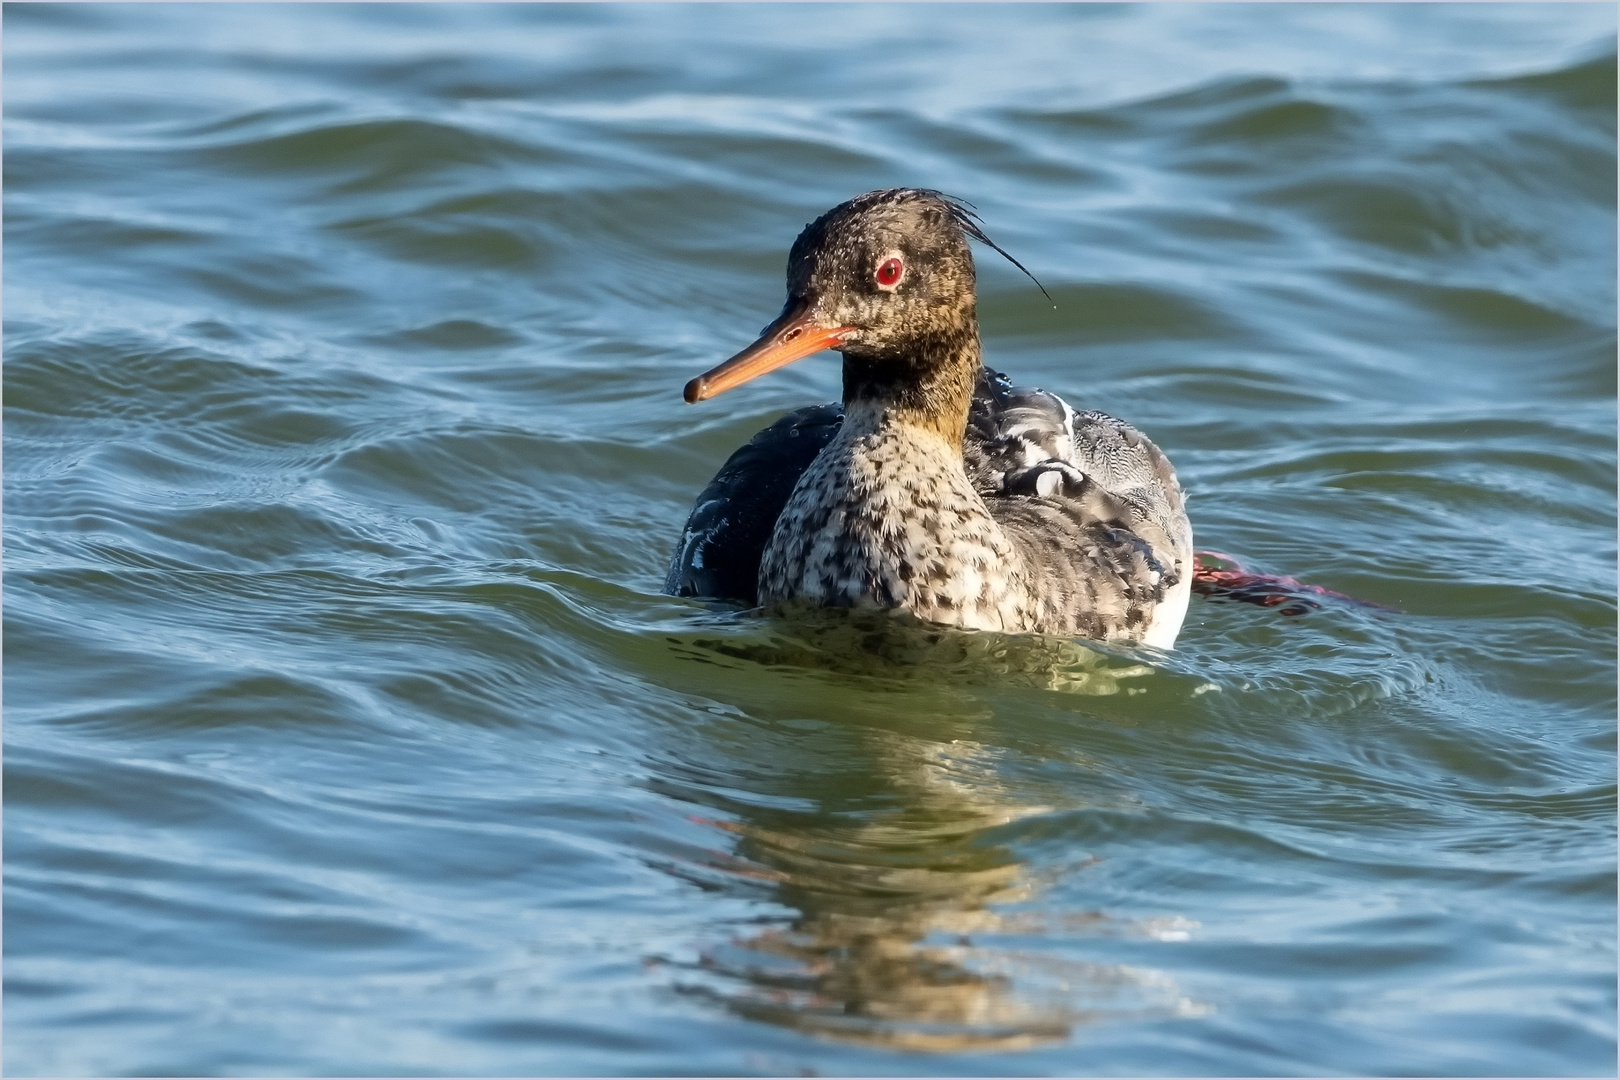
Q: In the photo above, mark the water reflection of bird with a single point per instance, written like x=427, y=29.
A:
x=938, y=489
x=880, y=950
x=900, y=935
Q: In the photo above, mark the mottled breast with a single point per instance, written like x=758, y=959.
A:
x=886, y=517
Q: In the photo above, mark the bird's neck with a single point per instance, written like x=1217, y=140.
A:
x=929, y=386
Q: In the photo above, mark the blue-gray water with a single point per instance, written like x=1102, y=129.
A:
x=346, y=730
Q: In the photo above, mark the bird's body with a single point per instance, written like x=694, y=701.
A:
x=939, y=489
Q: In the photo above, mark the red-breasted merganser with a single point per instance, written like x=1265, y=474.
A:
x=939, y=489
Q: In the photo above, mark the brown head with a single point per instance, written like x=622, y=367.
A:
x=886, y=279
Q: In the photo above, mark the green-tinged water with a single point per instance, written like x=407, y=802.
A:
x=346, y=730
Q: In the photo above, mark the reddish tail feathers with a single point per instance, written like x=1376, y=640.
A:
x=1232, y=582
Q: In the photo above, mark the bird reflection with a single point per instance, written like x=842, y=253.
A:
x=882, y=947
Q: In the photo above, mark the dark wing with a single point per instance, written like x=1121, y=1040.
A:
x=725, y=536
x=1092, y=502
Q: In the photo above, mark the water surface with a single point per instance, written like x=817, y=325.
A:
x=347, y=731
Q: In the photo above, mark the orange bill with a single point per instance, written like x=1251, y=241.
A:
x=793, y=336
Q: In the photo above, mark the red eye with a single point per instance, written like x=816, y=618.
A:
x=889, y=273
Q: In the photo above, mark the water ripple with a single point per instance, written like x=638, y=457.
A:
x=348, y=731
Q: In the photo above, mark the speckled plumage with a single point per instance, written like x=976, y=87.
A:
x=886, y=517
x=943, y=491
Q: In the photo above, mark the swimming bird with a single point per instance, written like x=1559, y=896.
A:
x=937, y=488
